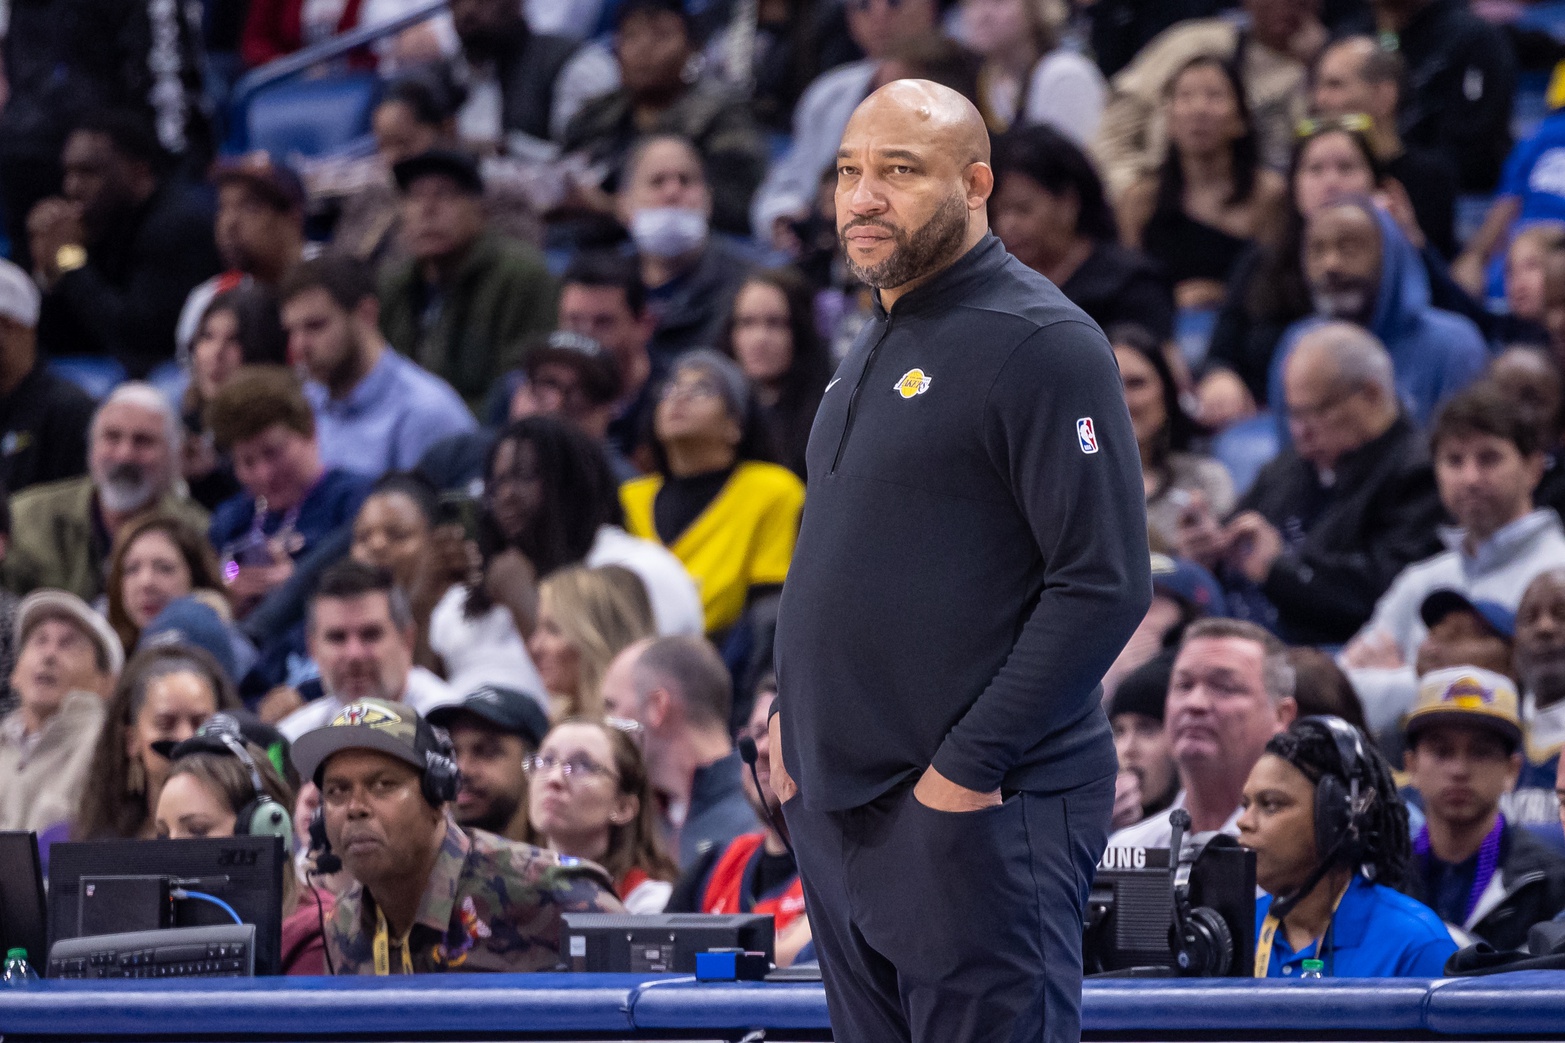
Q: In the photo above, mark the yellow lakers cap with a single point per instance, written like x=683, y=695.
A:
x=1469, y=697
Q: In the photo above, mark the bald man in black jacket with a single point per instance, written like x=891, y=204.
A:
x=972, y=558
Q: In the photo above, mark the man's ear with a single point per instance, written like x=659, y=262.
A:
x=1537, y=463
x=978, y=179
x=1287, y=711
x=656, y=708
x=367, y=312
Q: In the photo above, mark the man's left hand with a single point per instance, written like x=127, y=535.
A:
x=1254, y=545
x=939, y=793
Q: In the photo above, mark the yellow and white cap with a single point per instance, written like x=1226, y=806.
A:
x=1469, y=697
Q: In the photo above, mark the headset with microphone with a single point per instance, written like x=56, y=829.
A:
x=1202, y=942
x=261, y=816
x=750, y=754
x=1340, y=807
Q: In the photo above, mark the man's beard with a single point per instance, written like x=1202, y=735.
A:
x=1344, y=301
x=916, y=254
x=126, y=487
x=1545, y=681
x=343, y=373
x=496, y=818
x=349, y=687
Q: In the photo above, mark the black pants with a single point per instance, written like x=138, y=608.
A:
x=952, y=927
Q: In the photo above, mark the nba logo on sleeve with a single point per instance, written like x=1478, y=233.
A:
x=1086, y=435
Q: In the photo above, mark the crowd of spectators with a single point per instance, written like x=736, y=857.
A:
x=503, y=422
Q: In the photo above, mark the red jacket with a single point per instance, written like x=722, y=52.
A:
x=728, y=888
x=274, y=29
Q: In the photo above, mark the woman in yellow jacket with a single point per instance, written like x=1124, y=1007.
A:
x=729, y=515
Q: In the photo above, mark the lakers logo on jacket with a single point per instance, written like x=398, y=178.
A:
x=913, y=382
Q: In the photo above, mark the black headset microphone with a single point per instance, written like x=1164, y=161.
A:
x=1202, y=943
x=749, y=754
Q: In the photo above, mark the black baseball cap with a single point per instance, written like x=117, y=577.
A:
x=590, y=360
x=458, y=166
x=1444, y=601
x=513, y=712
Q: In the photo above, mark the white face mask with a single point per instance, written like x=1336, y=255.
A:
x=667, y=231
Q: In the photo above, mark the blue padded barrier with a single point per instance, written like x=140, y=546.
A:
x=1123, y=1005
x=323, y=1007
x=614, y=1007
x=737, y=1006
x=1521, y=1003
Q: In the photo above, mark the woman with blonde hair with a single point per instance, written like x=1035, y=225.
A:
x=585, y=618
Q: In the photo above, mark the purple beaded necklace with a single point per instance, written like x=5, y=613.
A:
x=1488, y=861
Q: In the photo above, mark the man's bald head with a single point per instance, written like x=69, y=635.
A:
x=951, y=121
x=913, y=183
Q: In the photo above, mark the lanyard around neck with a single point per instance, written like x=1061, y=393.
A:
x=1263, y=944
x=383, y=947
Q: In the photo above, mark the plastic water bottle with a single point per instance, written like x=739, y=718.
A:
x=1312, y=970
x=18, y=972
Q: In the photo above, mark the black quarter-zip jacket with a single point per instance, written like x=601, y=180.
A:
x=973, y=551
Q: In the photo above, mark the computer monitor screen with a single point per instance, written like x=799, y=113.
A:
x=21, y=897
x=245, y=873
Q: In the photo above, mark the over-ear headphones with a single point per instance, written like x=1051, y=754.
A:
x=442, y=778
x=1340, y=805
x=261, y=816
x=326, y=860
x=1202, y=942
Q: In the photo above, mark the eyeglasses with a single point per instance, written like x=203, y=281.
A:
x=575, y=768
x=693, y=389
x=1321, y=410
x=1354, y=122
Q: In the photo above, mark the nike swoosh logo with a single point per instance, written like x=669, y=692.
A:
x=832, y=384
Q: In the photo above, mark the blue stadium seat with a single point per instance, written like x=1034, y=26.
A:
x=1546, y=17
x=1193, y=330
x=1247, y=447
x=170, y=378
x=95, y=374
x=307, y=116
x=1531, y=103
